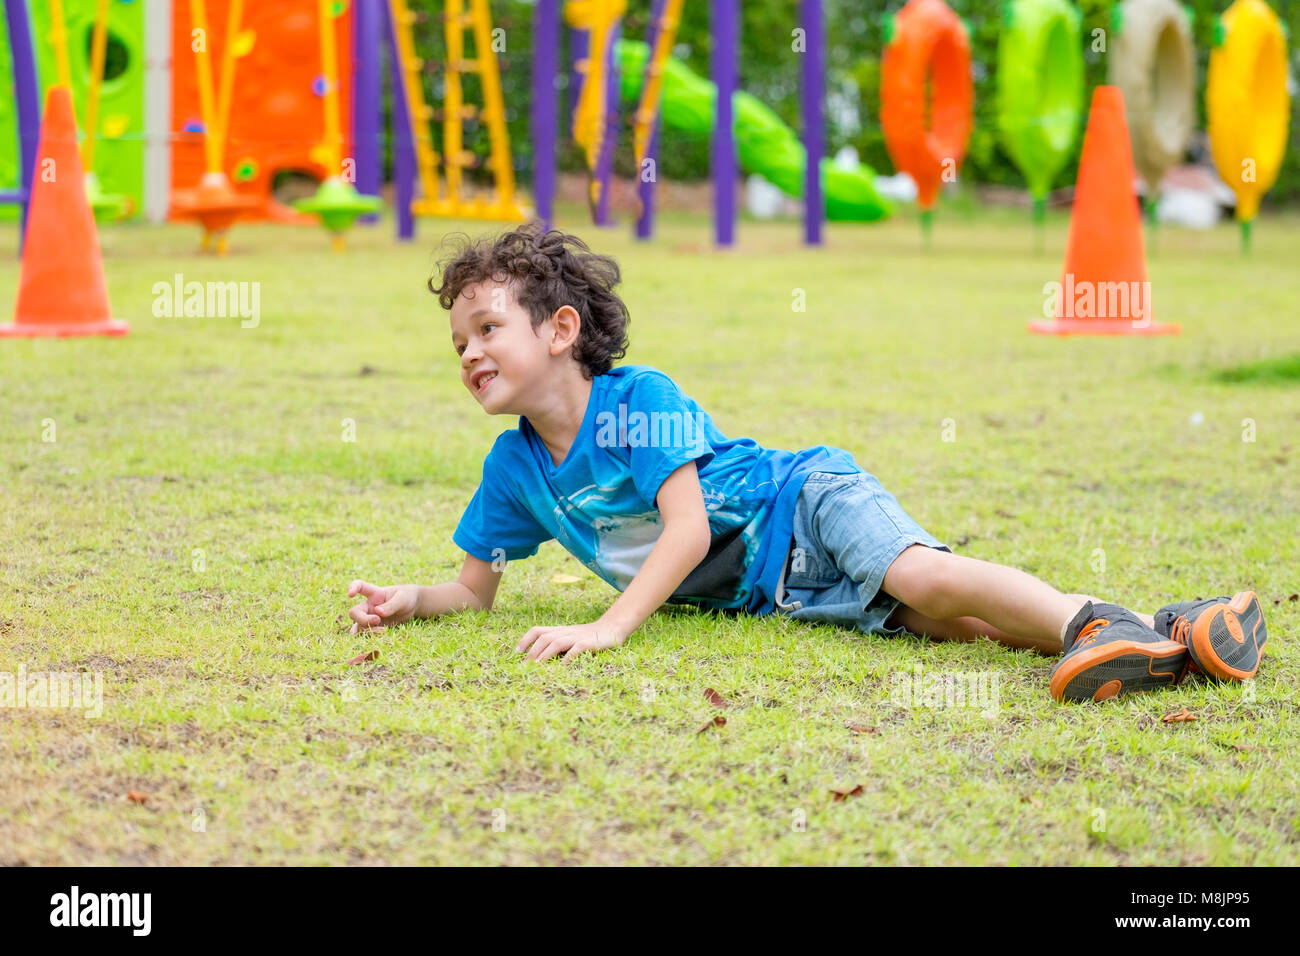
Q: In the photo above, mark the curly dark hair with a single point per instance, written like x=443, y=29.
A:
x=545, y=270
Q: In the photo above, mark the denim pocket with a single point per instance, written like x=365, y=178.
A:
x=810, y=566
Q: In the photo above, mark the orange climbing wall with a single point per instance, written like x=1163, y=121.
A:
x=275, y=117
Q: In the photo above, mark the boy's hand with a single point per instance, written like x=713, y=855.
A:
x=574, y=639
x=394, y=604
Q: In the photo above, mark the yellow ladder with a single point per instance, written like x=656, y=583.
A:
x=502, y=203
x=651, y=91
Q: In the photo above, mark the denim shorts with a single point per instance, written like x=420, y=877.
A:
x=847, y=532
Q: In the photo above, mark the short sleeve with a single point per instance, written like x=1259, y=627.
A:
x=496, y=521
x=665, y=431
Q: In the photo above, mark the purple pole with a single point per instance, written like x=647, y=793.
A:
x=605, y=160
x=579, y=44
x=403, y=148
x=813, y=81
x=546, y=40
x=29, y=108
x=723, y=55
x=367, y=96
x=645, y=223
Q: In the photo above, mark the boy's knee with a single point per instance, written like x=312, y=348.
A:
x=923, y=579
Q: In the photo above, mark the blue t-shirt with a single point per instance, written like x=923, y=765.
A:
x=599, y=503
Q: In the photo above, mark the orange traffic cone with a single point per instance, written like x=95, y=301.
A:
x=1104, y=288
x=61, y=291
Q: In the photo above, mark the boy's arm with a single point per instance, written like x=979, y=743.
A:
x=398, y=603
x=475, y=589
x=681, y=546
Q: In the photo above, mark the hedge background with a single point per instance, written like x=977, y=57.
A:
x=770, y=70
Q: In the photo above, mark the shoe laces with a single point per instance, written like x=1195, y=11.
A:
x=1089, y=634
x=1181, y=631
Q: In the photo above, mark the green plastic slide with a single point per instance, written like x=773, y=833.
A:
x=764, y=144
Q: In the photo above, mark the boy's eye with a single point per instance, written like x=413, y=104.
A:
x=483, y=328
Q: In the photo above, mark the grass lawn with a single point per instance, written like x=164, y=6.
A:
x=191, y=530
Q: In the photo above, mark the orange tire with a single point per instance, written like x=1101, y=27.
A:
x=927, y=96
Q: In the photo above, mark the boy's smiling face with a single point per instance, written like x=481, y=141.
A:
x=494, y=338
x=502, y=357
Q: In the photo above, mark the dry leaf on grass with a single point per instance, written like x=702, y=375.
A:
x=564, y=579
x=718, y=721
x=1178, y=717
x=367, y=656
x=714, y=698
x=1038, y=804
x=135, y=796
x=861, y=728
x=838, y=795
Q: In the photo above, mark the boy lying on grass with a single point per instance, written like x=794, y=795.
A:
x=632, y=477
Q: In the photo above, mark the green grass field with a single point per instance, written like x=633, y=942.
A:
x=192, y=527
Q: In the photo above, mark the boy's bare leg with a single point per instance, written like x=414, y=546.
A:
x=965, y=629
x=956, y=597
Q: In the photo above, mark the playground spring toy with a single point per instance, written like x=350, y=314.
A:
x=927, y=96
x=1040, y=90
x=1247, y=104
x=1153, y=63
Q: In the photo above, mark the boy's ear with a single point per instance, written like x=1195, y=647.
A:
x=566, y=324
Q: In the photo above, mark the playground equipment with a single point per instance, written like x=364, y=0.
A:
x=665, y=15
x=61, y=291
x=739, y=125
x=601, y=19
x=68, y=37
x=1247, y=104
x=18, y=30
x=1040, y=90
x=927, y=97
x=337, y=201
x=275, y=126
x=213, y=203
x=764, y=144
x=1153, y=63
x=103, y=205
x=501, y=203
x=1104, y=288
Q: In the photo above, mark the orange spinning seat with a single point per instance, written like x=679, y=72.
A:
x=927, y=96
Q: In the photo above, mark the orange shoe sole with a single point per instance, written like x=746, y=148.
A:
x=1220, y=642
x=1119, y=667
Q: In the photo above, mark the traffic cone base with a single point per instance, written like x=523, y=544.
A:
x=61, y=289
x=1101, y=327
x=29, y=330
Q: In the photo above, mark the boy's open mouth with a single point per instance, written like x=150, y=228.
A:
x=485, y=381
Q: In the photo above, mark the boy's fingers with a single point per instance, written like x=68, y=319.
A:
x=553, y=647
x=533, y=634
x=361, y=614
x=366, y=588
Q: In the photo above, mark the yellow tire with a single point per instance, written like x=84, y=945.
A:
x=1247, y=101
